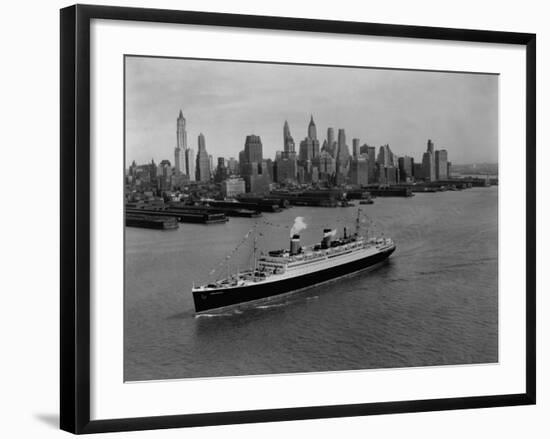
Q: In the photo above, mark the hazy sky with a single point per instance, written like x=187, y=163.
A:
x=229, y=100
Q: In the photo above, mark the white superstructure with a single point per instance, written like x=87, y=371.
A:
x=298, y=261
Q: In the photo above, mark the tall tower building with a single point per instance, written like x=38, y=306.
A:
x=330, y=136
x=327, y=166
x=232, y=165
x=428, y=163
x=355, y=147
x=181, y=145
x=312, y=129
x=254, y=168
x=406, y=166
x=385, y=156
x=330, y=142
x=359, y=171
x=430, y=148
x=428, y=166
x=371, y=157
x=306, y=150
x=441, y=164
x=253, y=149
x=342, y=154
x=285, y=164
x=289, y=146
x=177, y=161
x=190, y=163
x=203, y=161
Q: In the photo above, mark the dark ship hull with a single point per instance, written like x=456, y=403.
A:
x=216, y=299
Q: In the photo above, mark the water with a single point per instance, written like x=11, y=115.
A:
x=434, y=303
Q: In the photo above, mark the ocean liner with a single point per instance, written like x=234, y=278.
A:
x=288, y=270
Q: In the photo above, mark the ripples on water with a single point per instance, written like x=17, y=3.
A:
x=434, y=303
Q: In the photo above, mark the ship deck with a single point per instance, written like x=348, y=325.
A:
x=310, y=259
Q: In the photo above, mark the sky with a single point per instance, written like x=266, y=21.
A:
x=226, y=101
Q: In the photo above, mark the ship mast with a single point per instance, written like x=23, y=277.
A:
x=255, y=249
x=358, y=221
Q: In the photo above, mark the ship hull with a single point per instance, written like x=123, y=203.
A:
x=213, y=300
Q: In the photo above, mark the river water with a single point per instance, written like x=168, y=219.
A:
x=434, y=303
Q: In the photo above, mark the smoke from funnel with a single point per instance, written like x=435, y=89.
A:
x=298, y=226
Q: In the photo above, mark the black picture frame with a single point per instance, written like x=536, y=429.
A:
x=75, y=217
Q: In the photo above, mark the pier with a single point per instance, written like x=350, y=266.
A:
x=313, y=198
x=182, y=216
x=255, y=206
x=151, y=221
x=390, y=191
x=264, y=200
x=208, y=208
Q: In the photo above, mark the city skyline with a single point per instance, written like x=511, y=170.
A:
x=227, y=101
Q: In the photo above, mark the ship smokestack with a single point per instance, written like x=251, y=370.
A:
x=327, y=237
x=295, y=245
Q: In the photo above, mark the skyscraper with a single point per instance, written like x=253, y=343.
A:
x=308, y=156
x=190, y=163
x=330, y=142
x=386, y=166
x=242, y=161
x=312, y=134
x=177, y=160
x=406, y=166
x=355, y=147
x=330, y=136
x=289, y=147
x=181, y=145
x=359, y=171
x=253, y=149
x=306, y=150
x=430, y=148
x=428, y=163
x=316, y=149
x=370, y=153
x=163, y=175
x=253, y=168
x=385, y=156
x=418, y=171
x=428, y=166
x=232, y=165
x=312, y=129
x=441, y=165
x=327, y=166
x=286, y=167
x=203, y=161
x=342, y=155
x=221, y=171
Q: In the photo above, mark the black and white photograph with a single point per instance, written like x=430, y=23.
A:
x=296, y=218
x=275, y=219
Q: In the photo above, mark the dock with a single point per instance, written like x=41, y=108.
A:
x=254, y=206
x=151, y=221
x=313, y=198
x=390, y=191
x=182, y=216
x=206, y=207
